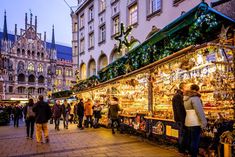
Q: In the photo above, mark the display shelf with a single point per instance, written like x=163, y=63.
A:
x=162, y=119
x=126, y=115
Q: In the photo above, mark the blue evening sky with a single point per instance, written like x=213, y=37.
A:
x=48, y=12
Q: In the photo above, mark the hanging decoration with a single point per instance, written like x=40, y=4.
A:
x=122, y=37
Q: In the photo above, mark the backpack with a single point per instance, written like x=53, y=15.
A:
x=30, y=112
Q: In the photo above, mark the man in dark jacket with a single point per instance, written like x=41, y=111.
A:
x=42, y=115
x=80, y=112
x=113, y=113
x=179, y=115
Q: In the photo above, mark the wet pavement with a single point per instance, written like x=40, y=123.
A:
x=75, y=142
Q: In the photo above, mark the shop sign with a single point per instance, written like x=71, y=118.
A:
x=158, y=128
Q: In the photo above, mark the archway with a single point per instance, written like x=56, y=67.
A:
x=31, y=79
x=83, y=71
x=103, y=61
x=21, y=78
x=91, y=67
x=41, y=79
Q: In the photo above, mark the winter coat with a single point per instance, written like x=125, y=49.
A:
x=25, y=111
x=17, y=112
x=80, y=109
x=113, y=110
x=178, y=107
x=65, y=109
x=192, y=101
x=57, y=111
x=97, y=111
x=88, y=109
x=42, y=112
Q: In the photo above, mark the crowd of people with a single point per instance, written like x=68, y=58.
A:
x=187, y=107
x=83, y=113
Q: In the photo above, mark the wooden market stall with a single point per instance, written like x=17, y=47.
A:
x=198, y=47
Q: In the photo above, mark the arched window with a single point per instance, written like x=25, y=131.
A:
x=31, y=67
x=18, y=52
x=31, y=79
x=38, y=55
x=40, y=90
x=21, y=90
x=31, y=90
x=40, y=68
x=33, y=54
x=103, y=61
x=10, y=77
x=83, y=71
x=21, y=78
x=20, y=66
x=42, y=55
x=92, y=67
x=59, y=71
x=28, y=53
x=10, y=67
x=41, y=79
x=23, y=52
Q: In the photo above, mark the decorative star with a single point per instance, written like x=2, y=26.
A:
x=122, y=37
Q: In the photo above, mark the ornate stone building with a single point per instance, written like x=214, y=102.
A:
x=30, y=66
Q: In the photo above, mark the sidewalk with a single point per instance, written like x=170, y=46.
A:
x=75, y=142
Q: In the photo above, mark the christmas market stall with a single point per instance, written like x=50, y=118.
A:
x=196, y=48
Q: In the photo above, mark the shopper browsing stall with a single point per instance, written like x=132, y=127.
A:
x=179, y=115
x=195, y=118
x=89, y=113
x=97, y=113
x=80, y=112
x=113, y=112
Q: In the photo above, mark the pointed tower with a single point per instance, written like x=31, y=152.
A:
x=15, y=32
x=26, y=21
x=53, y=48
x=5, y=35
x=53, y=39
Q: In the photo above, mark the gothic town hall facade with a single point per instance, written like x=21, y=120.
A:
x=30, y=66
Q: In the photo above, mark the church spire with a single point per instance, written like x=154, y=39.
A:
x=5, y=35
x=53, y=39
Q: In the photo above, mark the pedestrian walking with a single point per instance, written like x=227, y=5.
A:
x=17, y=114
x=97, y=113
x=71, y=114
x=75, y=119
x=29, y=119
x=179, y=116
x=65, y=112
x=42, y=115
x=195, y=118
x=89, y=113
x=113, y=113
x=80, y=112
x=57, y=111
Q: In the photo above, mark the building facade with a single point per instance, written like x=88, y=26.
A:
x=96, y=23
x=30, y=66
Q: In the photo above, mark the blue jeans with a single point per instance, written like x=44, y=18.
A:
x=194, y=139
x=182, y=141
x=66, y=120
x=57, y=123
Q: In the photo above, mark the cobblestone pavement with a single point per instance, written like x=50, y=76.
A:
x=75, y=142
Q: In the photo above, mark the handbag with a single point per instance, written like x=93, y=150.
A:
x=191, y=118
